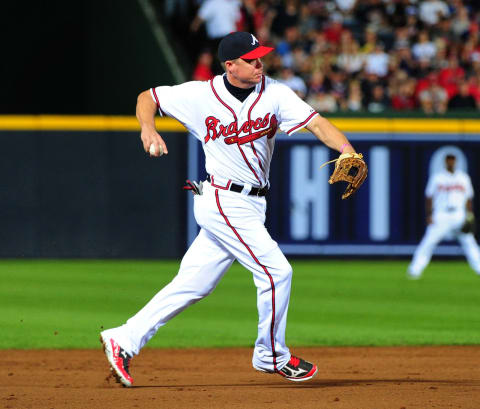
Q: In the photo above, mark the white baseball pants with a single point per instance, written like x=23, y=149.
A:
x=445, y=225
x=232, y=227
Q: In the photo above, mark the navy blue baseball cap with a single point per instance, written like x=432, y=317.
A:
x=240, y=44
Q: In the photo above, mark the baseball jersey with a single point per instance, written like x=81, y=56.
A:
x=449, y=191
x=237, y=137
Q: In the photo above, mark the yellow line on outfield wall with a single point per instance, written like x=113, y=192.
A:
x=81, y=123
x=399, y=125
x=129, y=123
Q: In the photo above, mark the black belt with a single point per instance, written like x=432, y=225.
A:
x=255, y=191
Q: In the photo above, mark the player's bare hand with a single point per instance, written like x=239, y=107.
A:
x=153, y=143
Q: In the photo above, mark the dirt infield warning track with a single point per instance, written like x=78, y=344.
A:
x=353, y=378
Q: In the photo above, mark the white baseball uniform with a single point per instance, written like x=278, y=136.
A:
x=238, y=140
x=449, y=193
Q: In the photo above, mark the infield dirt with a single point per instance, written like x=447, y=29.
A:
x=353, y=378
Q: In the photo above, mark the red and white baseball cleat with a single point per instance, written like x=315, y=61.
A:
x=119, y=360
x=298, y=370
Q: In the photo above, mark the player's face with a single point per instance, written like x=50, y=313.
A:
x=245, y=73
x=450, y=164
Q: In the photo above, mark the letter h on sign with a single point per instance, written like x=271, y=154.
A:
x=308, y=189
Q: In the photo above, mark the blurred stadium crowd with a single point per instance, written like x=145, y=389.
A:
x=350, y=55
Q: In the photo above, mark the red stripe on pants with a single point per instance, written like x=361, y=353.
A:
x=272, y=325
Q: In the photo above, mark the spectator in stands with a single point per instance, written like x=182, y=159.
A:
x=424, y=49
x=368, y=12
x=285, y=15
x=318, y=83
x=398, y=12
x=350, y=60
x=300, y=60
x=441, y=57
x=378, y=22
x=463, y=99
x=402, y=38
x=293, y=81
x=354, y=100
x=322, y=101
x=403, y=95
x=368, y=83
x=424, y=81
x=450, y=75
x=345, y=6
x=423, y=69
x=475, y=52
x=474, y=87
x=379, y=101
x=285, y=47
x=203, y=69
x=377, y=61
x=470, y=54
x=413, y=23
x=338, y=86
x=346, y=37
x=273, y=64
x=431, y=11
x=444, y=31
x=434, y=98
x=404, y=60
x=461, y=23
x=370, y=41
x=307, y=22
x=347, y=10
x=220, y=18
x=323, y=61
x=245, y=22
x=262, y=17
x=334, y=29
x=320, y=43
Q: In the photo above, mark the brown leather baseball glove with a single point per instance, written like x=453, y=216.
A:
x=350, y=168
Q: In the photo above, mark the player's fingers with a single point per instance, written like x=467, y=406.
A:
x=146, y=142
x=157, y=147
x=164, y=147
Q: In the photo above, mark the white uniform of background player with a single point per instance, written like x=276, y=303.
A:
x=238, y=140
x=449, y=195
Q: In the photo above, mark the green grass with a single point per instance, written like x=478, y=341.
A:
x=64, y=304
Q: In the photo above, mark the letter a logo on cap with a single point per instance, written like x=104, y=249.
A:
x=254, y=40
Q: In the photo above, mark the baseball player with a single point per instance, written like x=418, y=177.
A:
x=449, y=195
x=235, y=116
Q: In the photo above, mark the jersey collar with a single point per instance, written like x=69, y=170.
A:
x=230, y=100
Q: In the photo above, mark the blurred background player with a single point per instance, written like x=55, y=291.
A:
x=449, y=195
